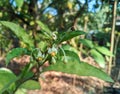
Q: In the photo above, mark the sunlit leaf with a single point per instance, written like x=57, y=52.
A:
x=44, y=28
x=43, y=45
x=19, y=32
x=87, y=43
x=7, y=78
x=69, y=56
x=98, y=57
x=104, y=50
x=70, y=48
x=21, y=91
x=30, y=85
x=81, y=69
x=68, y=35
x=15, y=53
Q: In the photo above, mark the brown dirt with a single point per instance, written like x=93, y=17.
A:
x=62, y=83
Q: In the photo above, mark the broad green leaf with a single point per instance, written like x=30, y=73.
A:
x=44, y=28
x=70, y=48
x=30, y=85
x=98, y=57
x=21, y=91
x=15, y=53
x=19, y=3
x=19, y=32
x=42, y=45
x=9, y=87
x=104, y=50
x=68, y=35
x=7, y=78
x=81, y=69
x=87, y=43
x=26, y=73
x=69, y=56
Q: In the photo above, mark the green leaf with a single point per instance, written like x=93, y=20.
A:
x=69, y=56
x=19, y=3
x=104, y=50
x=98, y=57
x=26, y=72
x=44, y=28
x=30, y=85
x=15, y=53
x=19, y=32
x=68, y=35
x=87, y=43
x=70, y=48
x=43, y=45
x=81, y=69
x=7, y=78
x=21, y=91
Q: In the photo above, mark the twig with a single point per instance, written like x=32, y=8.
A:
x=112, y=37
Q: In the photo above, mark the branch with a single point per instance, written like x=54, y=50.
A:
x=112, y=36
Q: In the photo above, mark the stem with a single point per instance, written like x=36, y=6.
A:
x=19, y=83
x=112, y=37
x=21, y=78
x=115, y=50
x=63, y=53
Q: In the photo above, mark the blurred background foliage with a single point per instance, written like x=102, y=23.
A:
x=91, y=16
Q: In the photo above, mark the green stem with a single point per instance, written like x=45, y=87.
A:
x=21, y=78
x=63, y=53
x=19, y=83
